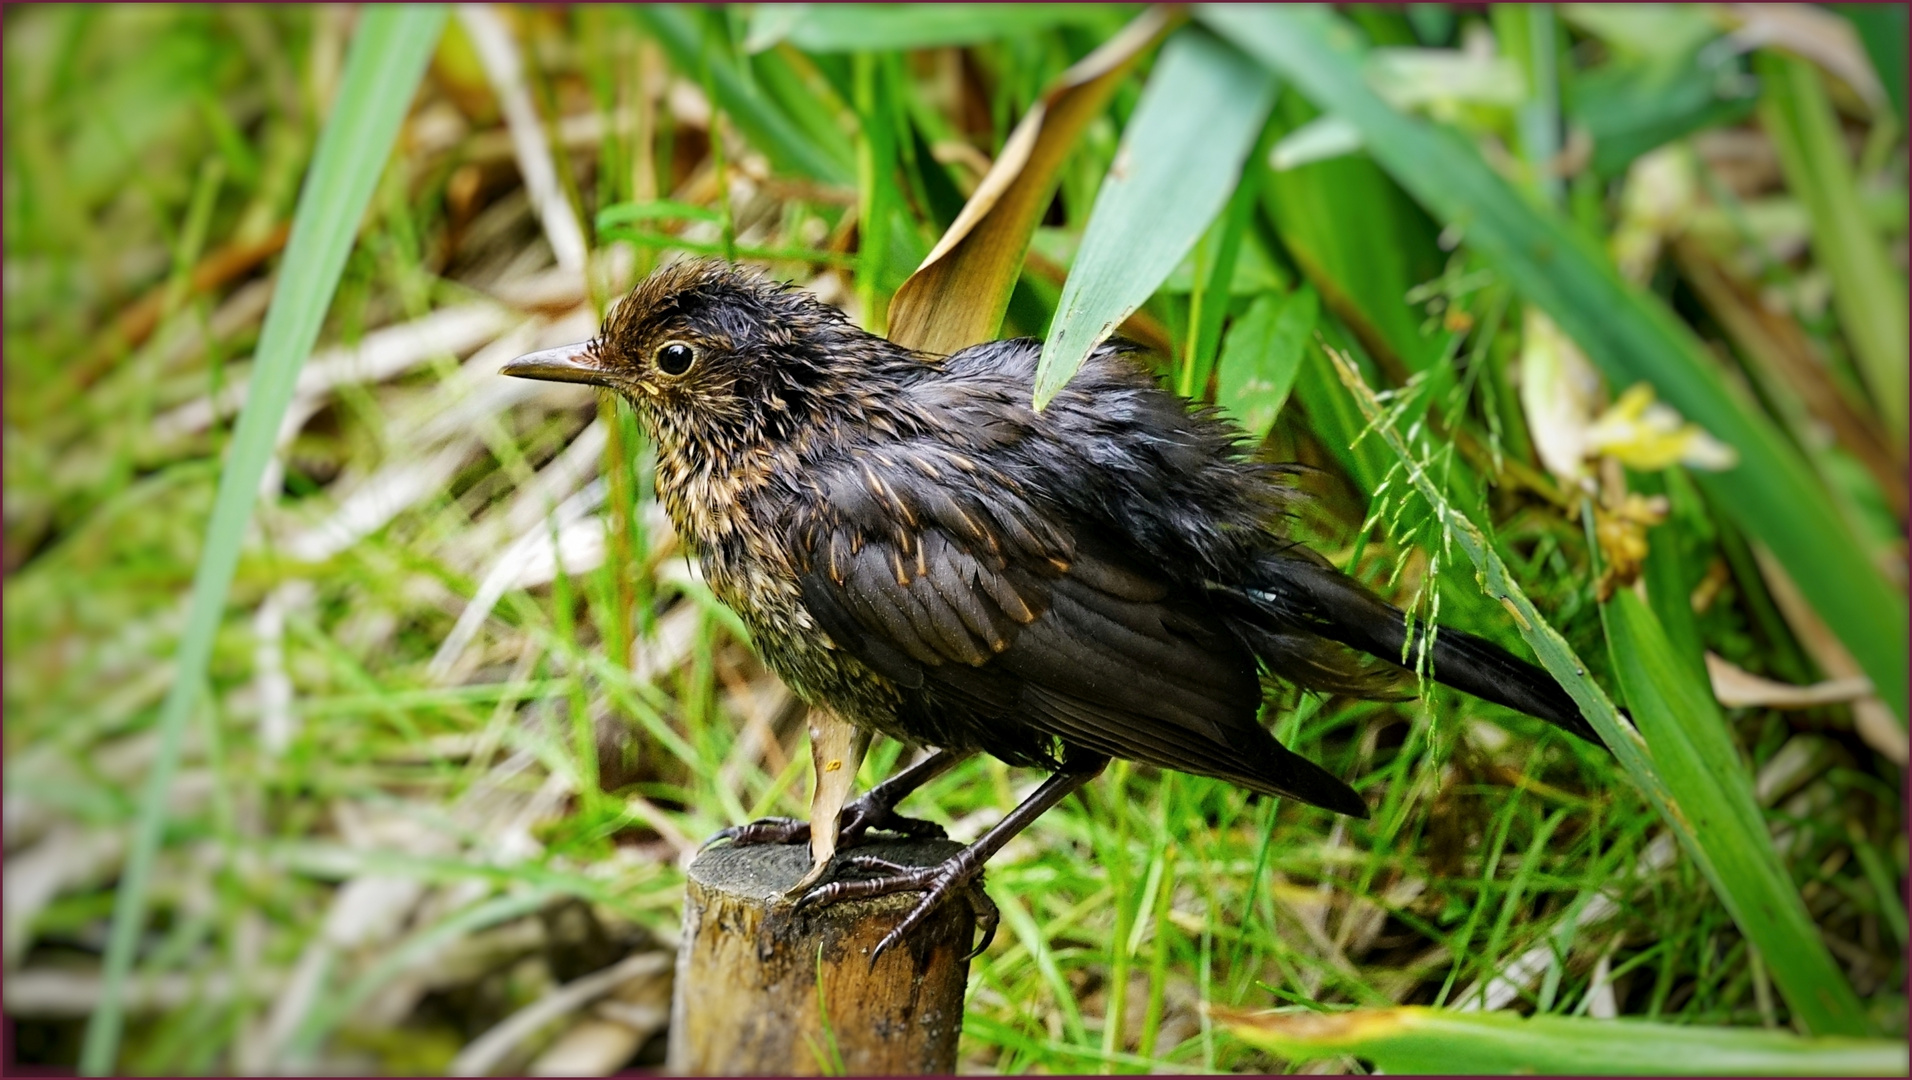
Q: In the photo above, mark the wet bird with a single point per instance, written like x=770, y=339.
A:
x=919, y=551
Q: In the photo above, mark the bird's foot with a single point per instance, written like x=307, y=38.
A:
x=856, y=819
x=961, y=872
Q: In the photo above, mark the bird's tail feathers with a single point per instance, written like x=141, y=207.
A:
x=1292, y=776
x=1300, y=598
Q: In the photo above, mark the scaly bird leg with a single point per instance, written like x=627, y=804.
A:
x=959, y=871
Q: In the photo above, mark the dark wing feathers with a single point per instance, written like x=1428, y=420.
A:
x=982, y=602
x=830, y=606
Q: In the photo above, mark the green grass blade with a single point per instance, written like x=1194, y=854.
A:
x=684, y=39
x=1263, y=354
x=1416, y=1039
x=1688, y=796
x=1552, y=650
x=1868, y=294
x=1772, y=494
x=1170, y=178
x=863, y=27
x=1631, y=105
x=1361, y=241
x=1882, y=28
x=1695, y=756
x=387, y=58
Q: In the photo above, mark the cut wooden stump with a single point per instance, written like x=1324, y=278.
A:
x=761, y=991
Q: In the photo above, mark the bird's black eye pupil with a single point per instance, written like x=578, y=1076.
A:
x=675, y=358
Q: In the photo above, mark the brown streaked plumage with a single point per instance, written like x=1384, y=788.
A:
x=916, y=549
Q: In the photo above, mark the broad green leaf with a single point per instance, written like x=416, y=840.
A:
x=1694, y=753
x=1335, y=420
x=865, y=27
x=1630, y=335
x=1170, y=178
x=1361, y=241
x=1322, y=139
x=958, y=295
x=1629, y=107
x=387, y=58
x=1666, y=78
x=1866, y=291
x=1645, y=31
x=1670, y=583
x=1212, y=269
x=1261, y=356
x=1416, y=1039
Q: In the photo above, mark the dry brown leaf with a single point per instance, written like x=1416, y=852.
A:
x=958, y=296
x=590, y=1047
x=1736, y=687
x=485, y=1052
x=836, y=749
x=1872, y=718
x=1817, y=35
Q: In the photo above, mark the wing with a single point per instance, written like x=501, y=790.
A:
x=943, y=576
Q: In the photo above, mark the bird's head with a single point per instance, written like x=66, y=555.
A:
x=715, y=356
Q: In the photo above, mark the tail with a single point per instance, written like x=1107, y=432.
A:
x=1301, y=597
x=1280, y=771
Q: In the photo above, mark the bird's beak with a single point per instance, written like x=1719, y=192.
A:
x=566, y=363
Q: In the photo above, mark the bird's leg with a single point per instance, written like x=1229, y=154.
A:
x=959, y=871
x=876, y=809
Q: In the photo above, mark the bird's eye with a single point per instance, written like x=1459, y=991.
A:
x=675, y=357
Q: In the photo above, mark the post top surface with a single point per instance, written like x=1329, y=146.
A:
x=763, y=872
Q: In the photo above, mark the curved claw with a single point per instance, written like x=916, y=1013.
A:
x=988, y=916
x=917, y=914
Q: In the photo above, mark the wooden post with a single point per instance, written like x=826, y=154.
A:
x=762, y=992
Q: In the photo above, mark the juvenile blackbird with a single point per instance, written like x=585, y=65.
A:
x=916, y=549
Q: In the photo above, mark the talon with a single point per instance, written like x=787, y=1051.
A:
x=810, y=898
x=889, y=940
x=727, y=833
x=933, y=895
x=988, y=916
